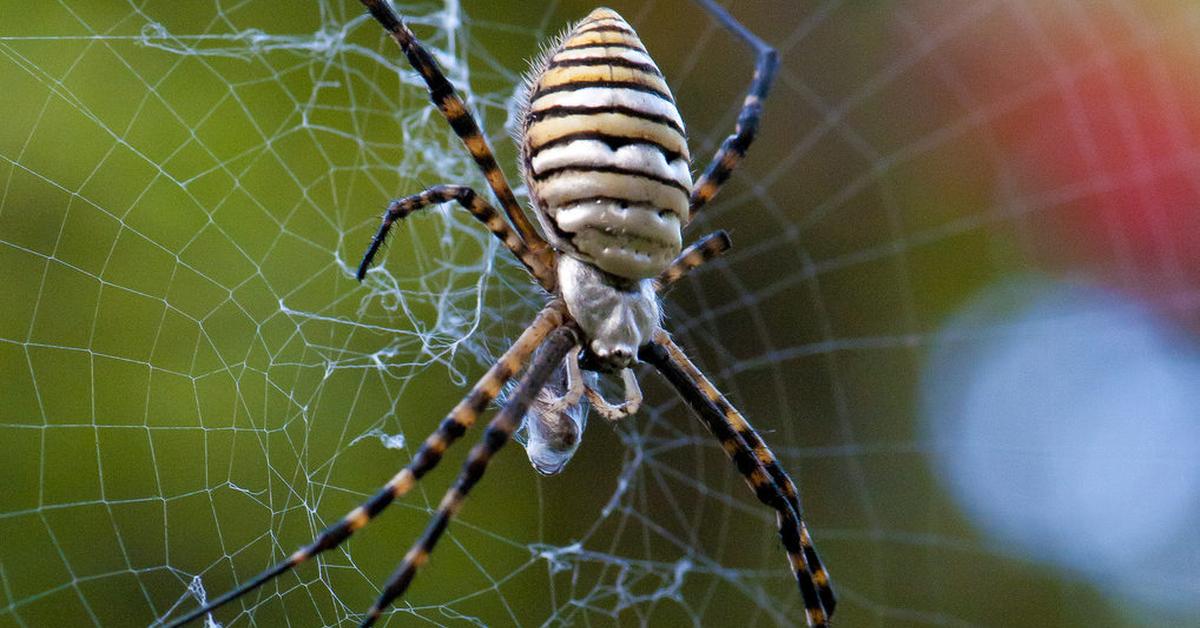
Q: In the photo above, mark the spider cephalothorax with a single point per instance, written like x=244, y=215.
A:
x=605, y=159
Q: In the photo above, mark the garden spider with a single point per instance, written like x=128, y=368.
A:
x=604, y=155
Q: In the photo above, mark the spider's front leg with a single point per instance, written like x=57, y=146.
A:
x=616, y=412
x=758, y=466
x=428, y=455
x=479, y=208
x=741, y=442
x=499, y=431
x=574, y=390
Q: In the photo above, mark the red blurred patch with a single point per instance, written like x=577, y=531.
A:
x=1098, y=131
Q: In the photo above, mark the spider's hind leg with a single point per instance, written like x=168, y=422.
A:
x=698, y=253
x=479, y=208
x=734, y=148
x=451, y=106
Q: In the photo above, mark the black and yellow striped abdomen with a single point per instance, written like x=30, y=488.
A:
x=604, y=150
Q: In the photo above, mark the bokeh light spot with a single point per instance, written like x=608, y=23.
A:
x=1065, y=424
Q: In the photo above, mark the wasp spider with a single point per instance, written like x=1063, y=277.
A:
x=606, y=161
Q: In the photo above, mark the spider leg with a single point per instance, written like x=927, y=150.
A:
x=757, y=464
x=695, y=255
x=632, y=403
x=734, y=148
x=427, y=457
x=575, y=386
x=479, y=208
x=444, y=97
x=497, y=434
x=698, y=253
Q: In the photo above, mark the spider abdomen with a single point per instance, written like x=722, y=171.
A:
x=604, y=150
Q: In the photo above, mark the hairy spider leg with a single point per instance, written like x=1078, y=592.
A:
x=698, y=253
x=752, y=438
x=427, y=457
x=758, y=466
x=618, y=411
x=447, y=101
x=734, y=148
x=497, y=434
x=479, y=208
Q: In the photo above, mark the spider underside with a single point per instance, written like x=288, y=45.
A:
x=605, y=158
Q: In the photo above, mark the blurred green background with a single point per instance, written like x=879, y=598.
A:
x=192, y=384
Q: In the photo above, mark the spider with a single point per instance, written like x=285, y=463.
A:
x=605, y=158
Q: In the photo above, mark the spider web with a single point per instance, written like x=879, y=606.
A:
x=961, y=222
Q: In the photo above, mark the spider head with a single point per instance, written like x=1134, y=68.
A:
x=610, y=358
x=616, y=316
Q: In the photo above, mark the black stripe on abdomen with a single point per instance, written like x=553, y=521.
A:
x=559, y=111
x=574, y=85
x=614, y=142
x=630, y=172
